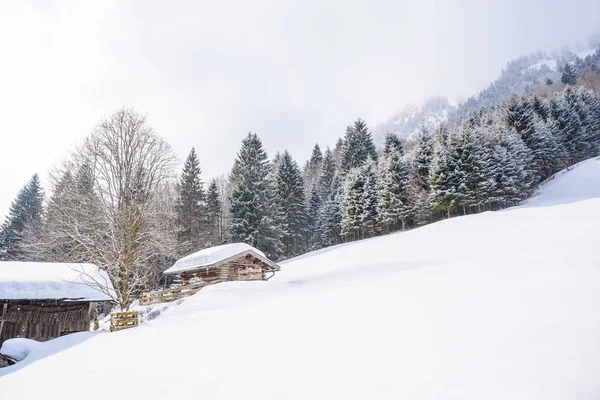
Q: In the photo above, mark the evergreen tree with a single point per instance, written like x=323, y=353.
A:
x=569, y=77
x=392, y=143
x=467, y=168
x=312, y=170
x=191, y=207
x=358, y=146
x=352, y=204
x=394, y=175
x=423, y=155
x=252, y=199
x=330, y=215
x=316, y=158
x=337, y=152
x=517, y=177
x=214, y=212
x=23, y=224
x=328, y=171
x=519, y=115
x=443, y=175
x=313, y=218
x=291, y=209
x=370, y=199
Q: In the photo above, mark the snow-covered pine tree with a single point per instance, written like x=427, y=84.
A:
x=540, y=107
x=337, y=152
x=312, y=169
x=392, y=143
x=358, y=146
x=191, y=207
x=23, y=223
x=328, y=171
x=467, y=168
x=394, y=176
x=315, y=203
x=444, y=179
x=592, y=100
x=352, y=204
x=547, y=152
x=517, y=176
x=420, y=158
x=252, y=199
x=423, y=155
x=370, y=199
x=71, y=213
x=569, y=77
x=319, y=197
x=330, y=216
x=214, y=212
x=519, y=114
x=312, y=190
x=291, y=207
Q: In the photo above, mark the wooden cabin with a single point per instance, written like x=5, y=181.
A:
x=42, y=301
x=228, y=262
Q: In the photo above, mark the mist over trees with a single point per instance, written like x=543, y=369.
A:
x=117, y=200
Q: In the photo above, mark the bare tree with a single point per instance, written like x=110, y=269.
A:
x=590, y=80
x=224, y=185
x=116, y=211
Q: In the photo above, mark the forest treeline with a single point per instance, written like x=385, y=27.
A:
x=118, y=202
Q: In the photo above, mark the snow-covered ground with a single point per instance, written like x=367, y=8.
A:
x=497, y=305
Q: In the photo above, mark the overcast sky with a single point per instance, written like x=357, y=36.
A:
x=206, y=73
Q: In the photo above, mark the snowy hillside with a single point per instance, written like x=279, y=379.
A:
x=499, y=305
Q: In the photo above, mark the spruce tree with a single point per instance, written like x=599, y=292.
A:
x=423, y=155
x=330, y=215
x=214, y=212
x=352, y=204
x=328, y=171
x=358, y=146
x=443, y=178
x=370, y=199
x=312, y=170
x=290, y=205
x=191, y=207
x=392, y=143
x=252, y=199
x=569, y=77
x=24, y=221
x=394, y=175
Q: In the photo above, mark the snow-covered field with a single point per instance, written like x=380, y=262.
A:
x=500, y=305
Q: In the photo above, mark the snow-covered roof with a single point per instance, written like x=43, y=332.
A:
x=53, y=281
x=215, y=256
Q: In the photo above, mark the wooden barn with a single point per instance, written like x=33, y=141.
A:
x=42, y=301
x=228, y=262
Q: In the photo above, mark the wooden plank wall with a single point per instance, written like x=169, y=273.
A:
x=42, y=322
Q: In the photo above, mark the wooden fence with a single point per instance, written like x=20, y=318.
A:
x=167, y=295
x=123, y=320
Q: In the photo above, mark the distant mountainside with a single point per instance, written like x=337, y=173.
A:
x=406, y=122
x=521, y=75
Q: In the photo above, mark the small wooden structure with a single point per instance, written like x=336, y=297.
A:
x=228, y=262
x=123, y=320
x=42, y=301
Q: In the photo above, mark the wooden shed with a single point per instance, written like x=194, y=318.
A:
x=228, y=262
x=42, y=301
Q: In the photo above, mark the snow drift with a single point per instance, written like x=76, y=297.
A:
x=491, y=306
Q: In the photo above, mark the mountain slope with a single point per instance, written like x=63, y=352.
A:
x=521, y=75
x=496, y=305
